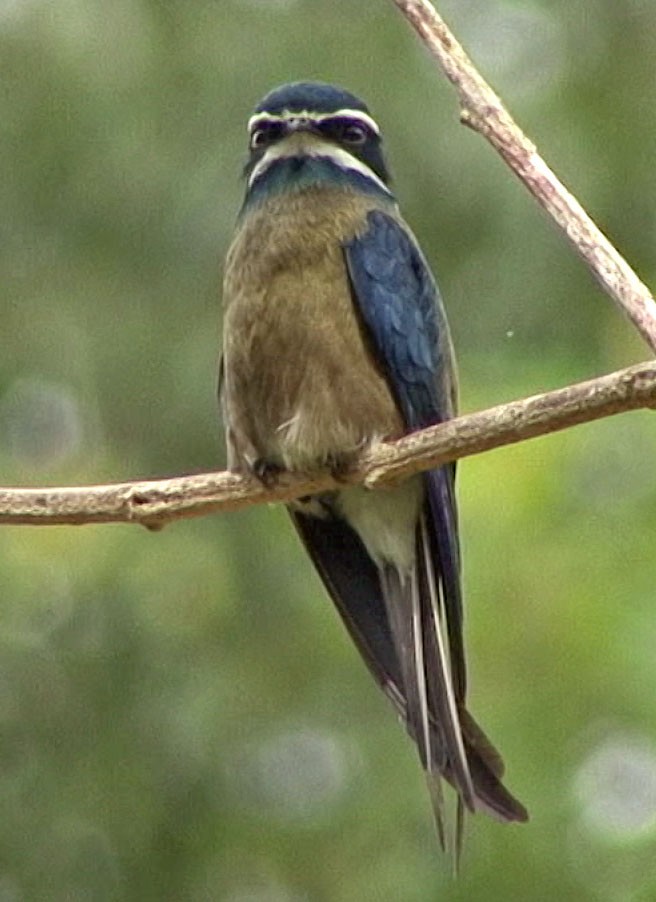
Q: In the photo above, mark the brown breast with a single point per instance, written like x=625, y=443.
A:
x=300, y=382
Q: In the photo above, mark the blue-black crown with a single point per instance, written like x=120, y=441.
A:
x=313, y=96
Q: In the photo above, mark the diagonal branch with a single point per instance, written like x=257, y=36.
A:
x=482, y=110
x=156, y=502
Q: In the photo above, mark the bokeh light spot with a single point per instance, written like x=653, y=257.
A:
x=40, y=422
x=616, y=787
x=293, y=776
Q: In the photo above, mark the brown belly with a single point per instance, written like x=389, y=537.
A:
x=301, y=385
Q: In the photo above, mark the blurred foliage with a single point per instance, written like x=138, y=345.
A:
x=181, y=715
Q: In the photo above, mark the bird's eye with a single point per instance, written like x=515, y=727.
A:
x=354, y=134
x=260, y=137
x=267, y=133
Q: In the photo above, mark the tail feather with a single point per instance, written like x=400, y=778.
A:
x=379, y=607
x=401, y=599
x=436, y=795
x=439, y=671
x=492, y=797
x=449, y=741
x=479, y=744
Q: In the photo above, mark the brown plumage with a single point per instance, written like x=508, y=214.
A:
x=288, y=257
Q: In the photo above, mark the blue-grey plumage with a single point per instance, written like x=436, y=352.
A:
x=335, y=337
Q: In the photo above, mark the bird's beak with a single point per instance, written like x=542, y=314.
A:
x=300, y=124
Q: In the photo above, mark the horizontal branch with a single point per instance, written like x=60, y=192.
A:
x=483, y=111
x=156, y=502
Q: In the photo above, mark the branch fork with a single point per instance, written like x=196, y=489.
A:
x=156, y=502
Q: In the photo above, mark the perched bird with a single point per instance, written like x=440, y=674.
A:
x=335, y=337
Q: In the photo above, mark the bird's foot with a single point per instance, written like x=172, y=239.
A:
x=340, y=465
x=267, y=472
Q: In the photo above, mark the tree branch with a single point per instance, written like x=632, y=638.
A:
x=156, y=502
x=483, y=111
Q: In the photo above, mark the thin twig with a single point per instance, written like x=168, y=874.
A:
x=482, y=110
x=156, y=502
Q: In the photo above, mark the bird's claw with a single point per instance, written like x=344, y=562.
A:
x=340, y=466
x=267, y=472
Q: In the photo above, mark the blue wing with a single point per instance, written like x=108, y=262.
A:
x=402, y=315
x=402, y=310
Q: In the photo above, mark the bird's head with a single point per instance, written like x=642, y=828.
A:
x=308, y=133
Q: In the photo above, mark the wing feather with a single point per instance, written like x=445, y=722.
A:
x=401, y=310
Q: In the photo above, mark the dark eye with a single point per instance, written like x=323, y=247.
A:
x=354, y=134
x=259, y=138
x=265, y=134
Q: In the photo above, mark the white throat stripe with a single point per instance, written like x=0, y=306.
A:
x=286, y=115
x=319, y=150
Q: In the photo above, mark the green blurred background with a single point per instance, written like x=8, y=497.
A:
x=181, y=715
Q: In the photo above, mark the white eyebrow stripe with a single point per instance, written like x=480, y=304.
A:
x=286, y=115
x=320, y=149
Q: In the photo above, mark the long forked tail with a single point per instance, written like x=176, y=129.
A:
x=357, y=586
x=450, y=743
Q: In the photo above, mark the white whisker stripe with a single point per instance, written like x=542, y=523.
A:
x=319, y=150
x=286, y=115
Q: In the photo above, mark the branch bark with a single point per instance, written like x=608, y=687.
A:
x=157, y=502
x=483, y=111
x=153, y=503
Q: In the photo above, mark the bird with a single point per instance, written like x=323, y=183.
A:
x=335, y=338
